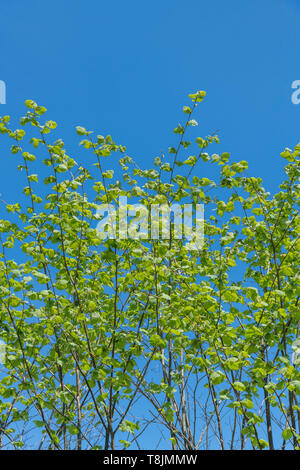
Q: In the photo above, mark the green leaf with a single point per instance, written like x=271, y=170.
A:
x=247, y=403
x=287, y=434
x=217, y=377
x=81, y=130
x=239, y=386
x=157, y=341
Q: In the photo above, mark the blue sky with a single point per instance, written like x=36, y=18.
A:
x=126, y=68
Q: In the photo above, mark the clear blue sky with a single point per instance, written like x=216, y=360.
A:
x=125, y=68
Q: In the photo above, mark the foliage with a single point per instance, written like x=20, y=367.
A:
x=110, y=343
